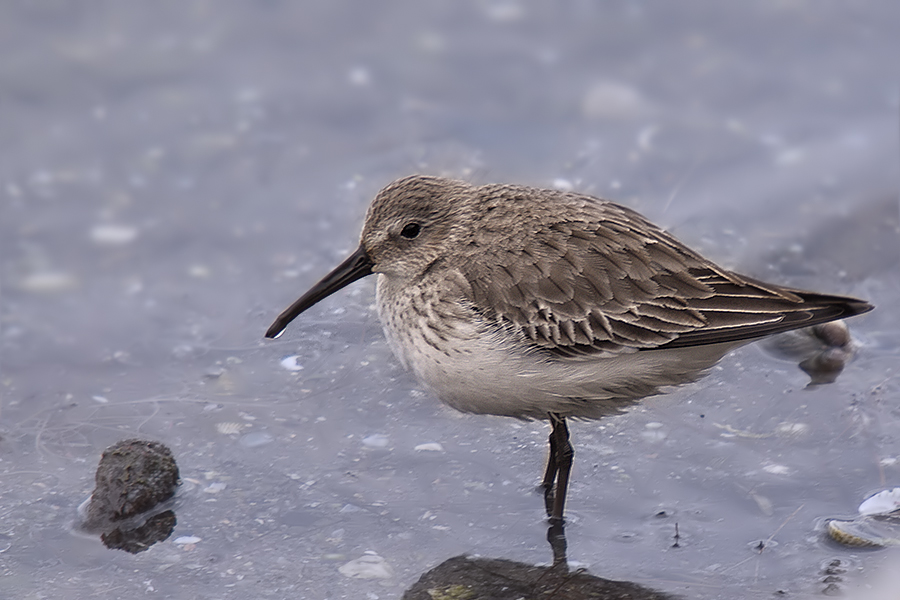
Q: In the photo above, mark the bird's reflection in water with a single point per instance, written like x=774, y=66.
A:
x=471, y=578
x=155, y=529
x=820, y=351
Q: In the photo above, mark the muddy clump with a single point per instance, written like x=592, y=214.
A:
x=129, y=506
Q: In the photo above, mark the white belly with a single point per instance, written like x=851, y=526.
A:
x=476, y=368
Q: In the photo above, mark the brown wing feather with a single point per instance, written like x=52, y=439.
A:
x=599, y=277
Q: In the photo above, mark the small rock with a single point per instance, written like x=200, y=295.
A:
x=128, y=506
x=367, y=566
x=133, y=476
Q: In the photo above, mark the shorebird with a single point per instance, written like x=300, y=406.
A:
x=544, y=304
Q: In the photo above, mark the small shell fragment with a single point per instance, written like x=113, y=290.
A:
x=229, y=428
x=877, y=526
x=866, y=532
x=882, y=503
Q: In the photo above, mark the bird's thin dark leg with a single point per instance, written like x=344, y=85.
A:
x=550, y=472
x=564, y=457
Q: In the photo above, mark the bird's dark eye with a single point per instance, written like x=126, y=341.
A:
x=411, y=230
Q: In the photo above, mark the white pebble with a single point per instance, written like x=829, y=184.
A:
x=376, y=440
x=48, y=281
x=290, y=363
x=613, y=100
x=653, y=435
x=113, y=235
x=187, y=539
x=429, y=447
x=777, y=469
x=367, y=566
x=256, y=439
x=563, y=185
x=359, y=76
x=792, y=428
x=199, y=271
x=215, y=488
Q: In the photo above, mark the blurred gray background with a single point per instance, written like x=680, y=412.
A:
x=174, y=174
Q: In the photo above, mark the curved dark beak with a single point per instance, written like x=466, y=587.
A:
x=356, y=266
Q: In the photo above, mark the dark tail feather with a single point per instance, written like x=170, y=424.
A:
x=812, y=309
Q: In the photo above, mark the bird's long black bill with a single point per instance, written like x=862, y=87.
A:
x=356, y=266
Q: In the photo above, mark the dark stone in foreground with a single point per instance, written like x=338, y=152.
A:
x=134, y=477
x=464, y=578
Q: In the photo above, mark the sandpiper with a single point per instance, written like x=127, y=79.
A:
x=544, y=304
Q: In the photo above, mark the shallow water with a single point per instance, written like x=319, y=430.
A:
x=173, y=176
